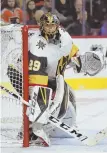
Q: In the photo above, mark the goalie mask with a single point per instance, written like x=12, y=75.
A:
x=49, y=24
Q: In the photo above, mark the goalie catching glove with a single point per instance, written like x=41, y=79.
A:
x=90, y=63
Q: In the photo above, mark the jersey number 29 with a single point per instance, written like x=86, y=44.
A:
x=34, y=65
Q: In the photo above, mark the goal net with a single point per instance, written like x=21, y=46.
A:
x=14, y=77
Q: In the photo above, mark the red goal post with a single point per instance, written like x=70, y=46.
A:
x=25, y=30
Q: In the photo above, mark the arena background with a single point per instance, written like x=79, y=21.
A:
x=84, y=20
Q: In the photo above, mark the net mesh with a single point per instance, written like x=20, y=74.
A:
x=11, y=65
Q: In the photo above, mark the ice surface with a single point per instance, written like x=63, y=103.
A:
x=91, y=117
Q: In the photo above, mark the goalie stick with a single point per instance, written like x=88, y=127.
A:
x=70, y=130
x=75, y=132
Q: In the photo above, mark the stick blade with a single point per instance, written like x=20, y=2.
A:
x=97, y=138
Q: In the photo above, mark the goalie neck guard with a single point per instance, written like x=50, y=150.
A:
x=49, y=27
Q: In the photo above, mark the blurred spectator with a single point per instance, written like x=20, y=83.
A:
x=38, y=15
x=0, y=4
x=103, y=29
x=94, y=31
x=48, y=8
x=60, y=6
x=39, y=3
x=63, y=1
x=77, y=28
x=96, y=13
x=78, y=6
x=20, y=3
x=66, y=7
x=11, y=13
x=36, y=18
x=31, y=9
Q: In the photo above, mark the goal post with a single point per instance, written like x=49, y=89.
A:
x=25, y=30
x=25, y=85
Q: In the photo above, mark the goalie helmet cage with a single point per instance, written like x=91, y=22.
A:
x=7, y=33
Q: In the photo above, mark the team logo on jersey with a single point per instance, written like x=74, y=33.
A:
x=41, y=44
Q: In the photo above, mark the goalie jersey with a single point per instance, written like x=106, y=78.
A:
x=48, y=59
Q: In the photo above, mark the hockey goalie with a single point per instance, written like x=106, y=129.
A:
x=51, y=50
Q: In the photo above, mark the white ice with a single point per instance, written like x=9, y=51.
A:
x=91, y=117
